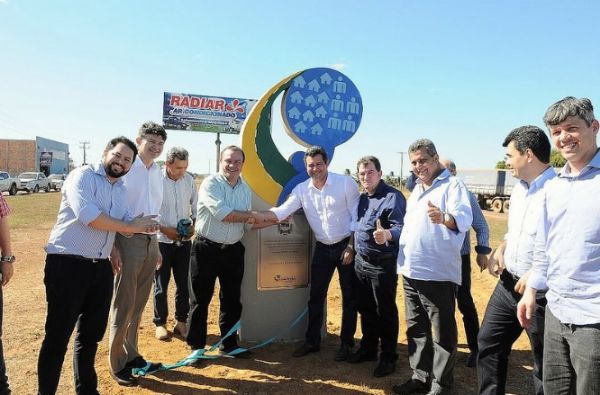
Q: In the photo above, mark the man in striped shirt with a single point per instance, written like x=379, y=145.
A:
x=78, y=273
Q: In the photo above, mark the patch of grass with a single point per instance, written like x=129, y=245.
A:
x=33, y=210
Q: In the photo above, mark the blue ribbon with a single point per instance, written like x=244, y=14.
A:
x=201, y=353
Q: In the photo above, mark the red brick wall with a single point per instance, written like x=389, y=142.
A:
x=17, y=156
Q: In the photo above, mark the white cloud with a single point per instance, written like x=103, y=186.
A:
x=336, y=66
x=3, y=1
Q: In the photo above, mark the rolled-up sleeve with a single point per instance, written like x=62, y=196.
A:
x=79, y=195
x=212, y=196
x=459, y=206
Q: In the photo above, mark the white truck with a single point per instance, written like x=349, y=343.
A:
x=492, y=187
x=8, y=184
x=33, y=181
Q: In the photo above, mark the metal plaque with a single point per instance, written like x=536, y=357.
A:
x=284, y=255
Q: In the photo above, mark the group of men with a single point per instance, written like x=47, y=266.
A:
x=124, y=224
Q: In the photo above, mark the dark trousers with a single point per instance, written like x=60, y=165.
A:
x=571, y=357
x=177, y=259
x=210, y=261
x=500, y=329
x=78, y=292
x=431, y=330
x=4, y=388
x=325, y=260
x=466, y=305
x=377, y=281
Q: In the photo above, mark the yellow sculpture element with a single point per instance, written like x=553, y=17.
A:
x=254, y=172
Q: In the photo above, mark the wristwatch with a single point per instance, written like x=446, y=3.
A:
x=446, y=218
x=8, y=258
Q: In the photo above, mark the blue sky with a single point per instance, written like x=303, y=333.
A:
x=462, y=73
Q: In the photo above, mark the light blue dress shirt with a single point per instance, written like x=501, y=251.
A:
x=431, y=251
x=482, y=230
x=523, y=220
x=180, y=201
x=86, y=194
x=216, y=200
x=567, y=246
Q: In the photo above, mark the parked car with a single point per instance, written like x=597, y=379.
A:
x=8, y=183
x=56, y=181
x=33, y=182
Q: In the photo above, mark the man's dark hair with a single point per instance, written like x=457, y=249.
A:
x=177, y=153
x=365, y=161
x=122, y=139
x=233, y=148
x=569, y=107
x=314, y=151
x=530, y=137
x=152, y=128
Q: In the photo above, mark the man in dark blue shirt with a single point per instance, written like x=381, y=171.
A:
x=381, y=210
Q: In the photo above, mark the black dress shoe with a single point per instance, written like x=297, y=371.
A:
x=125, y=378
x=362, y=355
x=342, y=353
x=384, y=368
x=412, y=386
x=305, y=349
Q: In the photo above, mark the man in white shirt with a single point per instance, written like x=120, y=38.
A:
x=330, y=202
x=438, y=214
x=566, y=257
x=139, y=258
x=527, y=155
x=180, y=198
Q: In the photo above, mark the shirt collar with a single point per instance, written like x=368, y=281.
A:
x=98, y=168
x=379, y=190
x=595, y=162
x=539, y=181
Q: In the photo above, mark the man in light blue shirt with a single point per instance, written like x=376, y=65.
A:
x=527, y=155
x=78, y=272
x=438, y=214
x=224, y=202
x=463, y=296
x=567, y=256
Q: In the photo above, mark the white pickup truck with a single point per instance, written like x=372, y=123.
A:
x=8, y=183
x=33, y=182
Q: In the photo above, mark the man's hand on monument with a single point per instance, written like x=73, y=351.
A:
x=380, y=234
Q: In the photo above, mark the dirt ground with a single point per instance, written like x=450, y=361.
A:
x=271, y=370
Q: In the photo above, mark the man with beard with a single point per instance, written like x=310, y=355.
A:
x=78, y=272
x=438, y=214
x=139, y=258
x=329, y=202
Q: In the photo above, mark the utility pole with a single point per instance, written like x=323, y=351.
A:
x=84, y=145
x=401, y=165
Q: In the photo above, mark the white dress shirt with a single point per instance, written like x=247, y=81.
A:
x=523, y=219
x=431, y=251
x=331, y=211
x=144, y=188
x=180, y=199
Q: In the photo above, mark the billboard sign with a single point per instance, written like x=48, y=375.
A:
x=200, y=113
x=46, y=159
